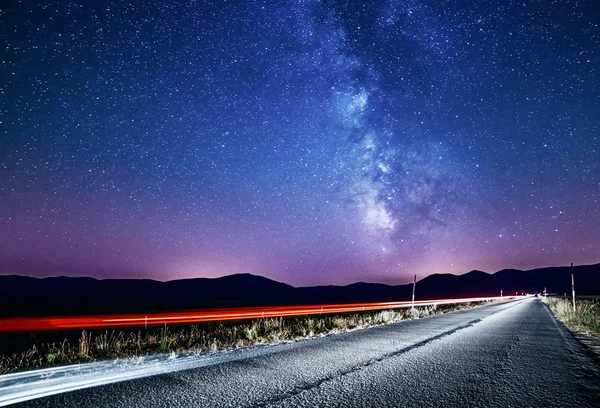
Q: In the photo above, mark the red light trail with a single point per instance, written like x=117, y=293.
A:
x=209, y=315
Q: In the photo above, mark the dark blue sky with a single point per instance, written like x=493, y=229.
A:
x=311, y=142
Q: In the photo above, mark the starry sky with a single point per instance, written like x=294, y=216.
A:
x=311, y=142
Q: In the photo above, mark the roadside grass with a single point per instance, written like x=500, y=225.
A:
x=196, y=339
x=586, y=316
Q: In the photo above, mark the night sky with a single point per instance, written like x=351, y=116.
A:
x=311, y=142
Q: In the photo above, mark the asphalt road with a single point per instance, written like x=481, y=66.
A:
x=503, y=355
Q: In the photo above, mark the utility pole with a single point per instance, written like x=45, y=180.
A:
x=573, y=286
x=413, y=295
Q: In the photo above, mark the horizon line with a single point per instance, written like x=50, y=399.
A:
x=274, y=280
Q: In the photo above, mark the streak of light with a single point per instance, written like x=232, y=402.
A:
x=212, y=315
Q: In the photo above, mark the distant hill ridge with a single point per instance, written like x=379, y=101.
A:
x=28, y=296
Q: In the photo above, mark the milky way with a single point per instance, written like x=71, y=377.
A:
x=311, y=142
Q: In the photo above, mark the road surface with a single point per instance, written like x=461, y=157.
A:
x=502, y=355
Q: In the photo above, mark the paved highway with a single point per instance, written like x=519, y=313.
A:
x=502, y=355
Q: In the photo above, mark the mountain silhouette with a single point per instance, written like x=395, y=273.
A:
x=28, y=296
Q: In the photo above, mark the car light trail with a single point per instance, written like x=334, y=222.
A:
x=212, y=315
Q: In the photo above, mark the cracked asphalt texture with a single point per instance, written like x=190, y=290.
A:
x=511, y=354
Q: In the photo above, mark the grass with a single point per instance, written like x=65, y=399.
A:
x=585, y=317
x=109, y=344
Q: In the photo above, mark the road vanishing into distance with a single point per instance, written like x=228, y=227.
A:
x=512, y=354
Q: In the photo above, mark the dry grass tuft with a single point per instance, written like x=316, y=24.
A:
x=586, y=315
x=197, y=339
